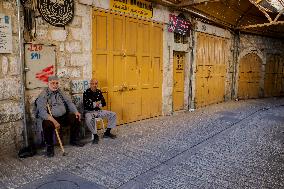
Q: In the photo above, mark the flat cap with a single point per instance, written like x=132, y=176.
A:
x=53, y=77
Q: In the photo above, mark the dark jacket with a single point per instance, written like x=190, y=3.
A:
x=89, y=97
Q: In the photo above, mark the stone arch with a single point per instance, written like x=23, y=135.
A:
x=252, y=50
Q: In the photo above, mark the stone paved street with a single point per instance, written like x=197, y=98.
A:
x=236, y=144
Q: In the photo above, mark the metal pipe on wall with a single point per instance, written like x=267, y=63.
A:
x=21, y=62
x=191, y=104
x=236, y=44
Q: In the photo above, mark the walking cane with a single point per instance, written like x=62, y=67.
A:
x=57, y=135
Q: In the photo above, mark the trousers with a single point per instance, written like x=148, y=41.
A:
x=91, y=115
x=68, y=119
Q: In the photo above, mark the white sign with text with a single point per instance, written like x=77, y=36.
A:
x=5, y=34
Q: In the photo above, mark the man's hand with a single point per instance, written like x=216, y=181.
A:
x=55, y=123
x=78, y=115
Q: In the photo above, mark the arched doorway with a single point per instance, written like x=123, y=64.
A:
x=249, y=76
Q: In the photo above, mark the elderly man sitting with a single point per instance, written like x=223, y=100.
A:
x=93, y=100
x=63, y=112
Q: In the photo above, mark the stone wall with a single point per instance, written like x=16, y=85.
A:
x=73, y=44
x=262, y=46
x=73, y=61
x=11, y=112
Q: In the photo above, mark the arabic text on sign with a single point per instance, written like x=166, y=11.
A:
x=136, y=7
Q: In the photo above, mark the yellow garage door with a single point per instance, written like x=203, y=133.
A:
x=249, y=76
x=127, y=61
x=210, y=69
x=274, y=76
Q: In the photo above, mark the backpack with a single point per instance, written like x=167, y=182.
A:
x=27, y=152
x=34, y=109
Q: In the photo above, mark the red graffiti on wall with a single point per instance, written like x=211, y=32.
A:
x=45, y=73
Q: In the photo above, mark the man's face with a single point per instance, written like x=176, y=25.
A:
x=94, y=85
x=53, y=85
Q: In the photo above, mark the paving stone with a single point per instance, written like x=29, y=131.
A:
x=2, y=186
x=274, y=118
x=62, y=180
x=132, y=185
x=97, y=176
x=230, y=119
x=228, y=113
x=228, y=145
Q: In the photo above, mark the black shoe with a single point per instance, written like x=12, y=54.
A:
x=109, y=135
x=96, y=139
x=50, y=151
x=77, y=143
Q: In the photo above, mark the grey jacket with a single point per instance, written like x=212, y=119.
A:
x=59, y=104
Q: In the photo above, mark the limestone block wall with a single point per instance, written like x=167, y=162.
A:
x=73, y=61
x=73, y=48
x=262, y=46
x=11, y=110
x=73, y=44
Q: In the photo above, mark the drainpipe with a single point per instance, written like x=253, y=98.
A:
x=235, y=64
x=22, y=90
x=192, y=60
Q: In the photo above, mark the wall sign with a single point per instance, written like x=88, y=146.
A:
x=178, y=25
x=5, y=34
x=141, y=8
x=39, y=64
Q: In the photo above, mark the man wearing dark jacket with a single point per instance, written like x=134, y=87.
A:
x=93, y=100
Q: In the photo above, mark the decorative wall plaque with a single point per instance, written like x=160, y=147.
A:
x=56, y=12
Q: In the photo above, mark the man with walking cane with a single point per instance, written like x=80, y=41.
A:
x=57, y=110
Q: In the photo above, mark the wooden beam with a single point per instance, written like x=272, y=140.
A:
x=261, y=25
x=263, y=10
x=186, y=3
x=279, y=14
x=272, y=34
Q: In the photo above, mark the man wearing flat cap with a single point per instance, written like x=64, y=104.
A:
x=63, y=112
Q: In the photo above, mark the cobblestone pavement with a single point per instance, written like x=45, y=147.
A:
x=229, y=145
